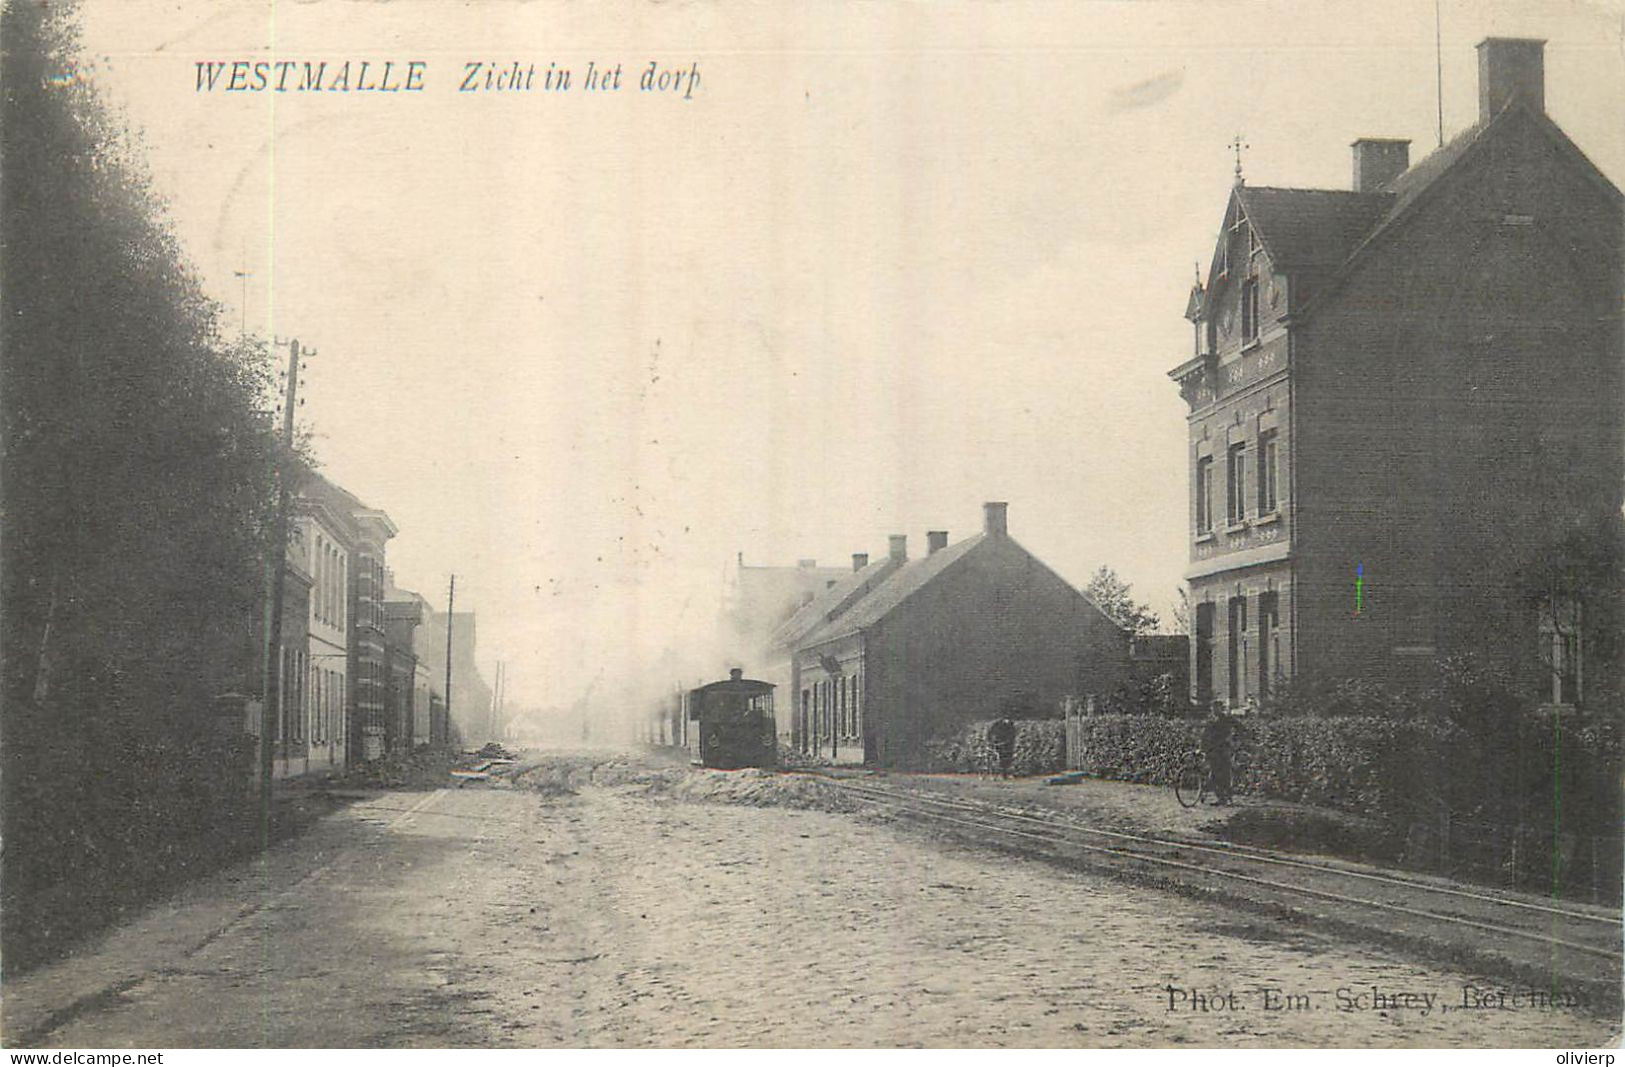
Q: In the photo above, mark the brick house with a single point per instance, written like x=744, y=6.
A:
x=1400, y=397
x=838, y=595
x=970, y=631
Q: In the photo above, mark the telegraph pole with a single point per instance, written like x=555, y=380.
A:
x=496, y=702
x=272, y=690
x=451, y=598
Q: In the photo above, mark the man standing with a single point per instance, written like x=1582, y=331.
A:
x=1216, y=743
x=1002, y=736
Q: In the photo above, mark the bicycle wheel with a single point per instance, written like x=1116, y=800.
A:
x=1190, y=784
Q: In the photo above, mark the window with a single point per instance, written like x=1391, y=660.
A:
x=1269, y=640
x=1562, y=650
x=1249, y=309
x=1238, y=649
x=1204, y=495
x=1236, y=484
x=1268, y=500
x=857, y=708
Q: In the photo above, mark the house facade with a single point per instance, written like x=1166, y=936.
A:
x=792, y=723
x=358, y=535
x=326, y=540
x=1401, y=397
x=969, y=631
x=402, y=615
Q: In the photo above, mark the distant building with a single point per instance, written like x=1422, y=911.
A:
x=756, y=600
x=971, y=631
x=470, y=711
x=403, y=612
x=1401, y=396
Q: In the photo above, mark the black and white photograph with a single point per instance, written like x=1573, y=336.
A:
x=743, y=524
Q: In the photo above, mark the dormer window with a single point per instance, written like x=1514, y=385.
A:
x=1249, y=309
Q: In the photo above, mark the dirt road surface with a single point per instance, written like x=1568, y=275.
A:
x=615, y=916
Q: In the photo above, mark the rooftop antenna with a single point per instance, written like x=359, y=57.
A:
x=1438, y=68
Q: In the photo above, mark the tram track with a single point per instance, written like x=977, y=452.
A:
x=1527, y=939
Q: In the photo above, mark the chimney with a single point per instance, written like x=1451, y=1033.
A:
x=995, y=520
x=1378, y=161
x=899, y=547
x=860, y=560
x=935, y=541
x=1508, y=68
x=736, y=673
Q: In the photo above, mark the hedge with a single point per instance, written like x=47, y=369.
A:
x=1040, y=748
x=1532, y=770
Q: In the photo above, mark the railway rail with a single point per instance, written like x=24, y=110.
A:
x=1529, y=939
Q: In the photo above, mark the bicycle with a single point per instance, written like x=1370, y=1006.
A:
x=1194, y=781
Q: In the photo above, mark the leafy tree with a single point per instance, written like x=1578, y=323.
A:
x=1575, y=583
x=135, y=504
x=1182, y=610
x=1113, y=596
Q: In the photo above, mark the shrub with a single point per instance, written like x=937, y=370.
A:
x=1040, y=748
x=1137, y=748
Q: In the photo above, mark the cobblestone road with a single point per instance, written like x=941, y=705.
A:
x=489, y=917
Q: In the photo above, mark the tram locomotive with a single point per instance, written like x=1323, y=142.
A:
x=735, y=718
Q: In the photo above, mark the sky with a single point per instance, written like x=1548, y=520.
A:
x=885, y=262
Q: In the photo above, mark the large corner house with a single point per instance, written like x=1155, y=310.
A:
x=1399, y=396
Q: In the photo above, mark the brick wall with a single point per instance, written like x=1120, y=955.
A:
x=1458, y=406
x=997, y=631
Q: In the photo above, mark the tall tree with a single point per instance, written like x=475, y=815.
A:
x=1114, y=596
x=136, y=497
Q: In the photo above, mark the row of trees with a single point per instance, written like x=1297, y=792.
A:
x=137, y=503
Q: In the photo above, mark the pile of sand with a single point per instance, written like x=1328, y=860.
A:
x=763, y=789
x=567, y=774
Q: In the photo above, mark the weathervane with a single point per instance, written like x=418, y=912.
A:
x=1238, y=145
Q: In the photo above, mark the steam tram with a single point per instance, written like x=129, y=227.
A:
x=735, y=718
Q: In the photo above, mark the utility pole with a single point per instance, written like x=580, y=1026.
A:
x=496, y=702
x=451, y=598
x=244, y=275
x=272, y=690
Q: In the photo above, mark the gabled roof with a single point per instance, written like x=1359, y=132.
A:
x=1310, y=228
x=827, y=605
x=1328, y=229
x=1413, y=185
x=903, y=583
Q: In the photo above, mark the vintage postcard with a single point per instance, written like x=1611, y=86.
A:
x=739, y=523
